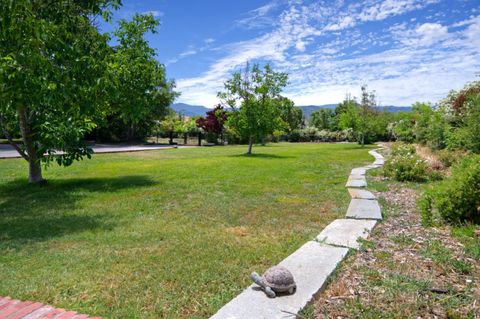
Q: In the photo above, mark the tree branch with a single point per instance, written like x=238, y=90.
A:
x=10, y=139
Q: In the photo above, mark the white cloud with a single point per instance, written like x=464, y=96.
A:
x=155, y=13
x=428, y=60
x=346, y=22
x=258, y=18
x=422, y=35
x=388, y=8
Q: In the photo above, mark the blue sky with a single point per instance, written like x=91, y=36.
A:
x=406, y=50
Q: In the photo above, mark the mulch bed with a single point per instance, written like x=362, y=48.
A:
x=404, y=270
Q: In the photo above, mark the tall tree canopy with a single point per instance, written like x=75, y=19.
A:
x=53, y=75
x=253, y=96
x=143, y=92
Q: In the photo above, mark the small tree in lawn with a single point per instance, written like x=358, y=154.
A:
x=214, y=122
x=53, y=77
x=252, y=96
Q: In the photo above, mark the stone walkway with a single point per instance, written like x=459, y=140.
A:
x=313, y=263
x=16, y=309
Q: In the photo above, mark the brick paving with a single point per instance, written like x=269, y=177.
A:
x=16, y=309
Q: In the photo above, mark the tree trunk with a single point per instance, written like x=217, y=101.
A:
x=250, y=144
x=185, y=139
x=34, y=164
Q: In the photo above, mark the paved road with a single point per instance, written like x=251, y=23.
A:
x=7, y=151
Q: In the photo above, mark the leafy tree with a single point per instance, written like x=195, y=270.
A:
x=142, y=93
x=324, y=119
x=253, y=96
x=172, y=123
x=52, y=77
x=422, y=113
x=366, y=114
x=349, y=117
x=214, y=121
x=365, y=122
x=291, y=115
x=402, y=128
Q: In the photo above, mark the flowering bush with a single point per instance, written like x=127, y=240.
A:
x=405, y=165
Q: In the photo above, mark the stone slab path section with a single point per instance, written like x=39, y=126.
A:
x=311, y=265
x=356, y=183
x=364, y=209
x=359, y=171
x=357, y=193
x=346, y=232
x=16, y=309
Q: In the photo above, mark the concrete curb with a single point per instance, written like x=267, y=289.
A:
x=313, y=263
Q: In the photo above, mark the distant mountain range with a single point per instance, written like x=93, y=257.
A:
x=199, y=110
x=189, y=110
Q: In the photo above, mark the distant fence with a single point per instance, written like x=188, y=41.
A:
x=191, y=139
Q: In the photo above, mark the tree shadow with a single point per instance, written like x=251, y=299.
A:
x=30, y=213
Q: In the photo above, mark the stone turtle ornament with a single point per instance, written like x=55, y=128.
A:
x=275, y=280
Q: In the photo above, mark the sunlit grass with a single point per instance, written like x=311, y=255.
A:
x=165, y=234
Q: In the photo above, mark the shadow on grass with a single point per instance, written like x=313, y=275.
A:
x=36, y=213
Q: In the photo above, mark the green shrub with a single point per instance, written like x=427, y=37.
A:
x=448, y=157
x=405, y=165
x=456, y=199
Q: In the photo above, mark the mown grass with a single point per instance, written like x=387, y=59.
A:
x=164, y=234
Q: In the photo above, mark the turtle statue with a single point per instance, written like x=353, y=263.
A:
x=274, y=280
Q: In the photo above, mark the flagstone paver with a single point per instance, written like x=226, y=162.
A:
x=357, y=193
x=359, y=171
x=356, y=183
x=16, y=309
x=346, y=232
x=364, y=209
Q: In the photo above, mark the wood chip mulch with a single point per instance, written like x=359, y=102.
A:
x=404, y=270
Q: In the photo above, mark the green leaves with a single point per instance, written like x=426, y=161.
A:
x=141, y=93
x=254, y=98
x=52, y=60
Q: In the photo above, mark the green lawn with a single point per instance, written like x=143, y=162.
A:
x=164, y=234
